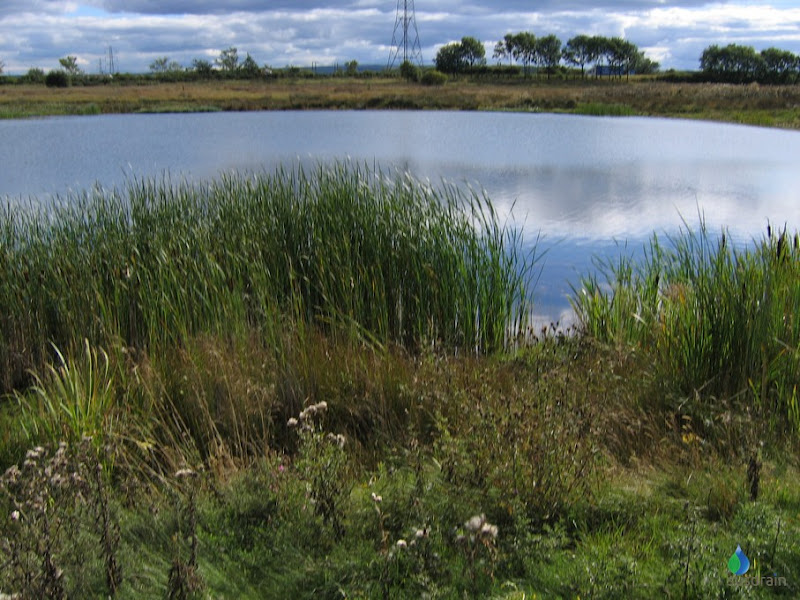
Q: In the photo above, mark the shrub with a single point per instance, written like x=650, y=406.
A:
x=434, y=78
x=409, y=72
x=57, y=79
x=34, y=75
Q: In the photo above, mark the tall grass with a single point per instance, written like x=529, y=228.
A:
x=339, y=248
x=720, y=321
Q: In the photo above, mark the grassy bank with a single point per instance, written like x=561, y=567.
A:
x=304, y=385
x=759, y=105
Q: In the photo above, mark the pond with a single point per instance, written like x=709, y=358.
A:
x=584, y=186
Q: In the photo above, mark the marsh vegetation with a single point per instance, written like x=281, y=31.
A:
x=322, y=384
x=774, y=106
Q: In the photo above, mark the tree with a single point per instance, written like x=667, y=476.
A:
x=523, y=48
x=450, y=59
x=165, y=65
x=202, y=67
x=580, y=51
x=229, y=59
x=733, y=63
x=249, y=68
x=548, y=53
x=504, y=48
x=70, y=65
x=351, y=68
x=644, y=66
x=474, y=53
x=780, y=66
x=623, y=55
x=457, y=57
x=598, y=48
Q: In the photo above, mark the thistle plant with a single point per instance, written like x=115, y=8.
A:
x=184, y=579
x=322, y=462
x=51, y=501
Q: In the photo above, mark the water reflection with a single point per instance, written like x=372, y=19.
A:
x=582, y=183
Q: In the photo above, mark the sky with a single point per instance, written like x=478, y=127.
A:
x=278, y=33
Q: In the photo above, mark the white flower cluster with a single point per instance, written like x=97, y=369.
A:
x=305, y=422
x=304, y=418
x=312, y=410
x=337, y=439
x=419, y=535
x=479, y=528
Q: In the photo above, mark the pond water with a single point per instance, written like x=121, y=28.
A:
x=586, y=185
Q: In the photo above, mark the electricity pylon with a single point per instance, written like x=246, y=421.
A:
x=405, y=39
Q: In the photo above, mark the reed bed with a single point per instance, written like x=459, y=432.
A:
x=721, y=322
x=340, y=247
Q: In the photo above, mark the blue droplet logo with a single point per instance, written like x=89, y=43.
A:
x=738, y=564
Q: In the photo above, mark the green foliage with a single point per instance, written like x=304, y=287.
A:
x=433, y=77
x=164, y=65
x=249, y=68
x=409, y=71
x=57, y=513
x=600, y=109
x=458, y=57
x=34, y=75
x=735, y=63
x=391, y=260
x=72, y=401
x=228, y=59
x=203, y=68
x=713, y=318
x=351, y=68
x=57, y=79
x=70, y=65
x=321, y=463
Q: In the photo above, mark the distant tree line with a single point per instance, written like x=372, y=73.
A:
x=611, y=56
x=742, y=64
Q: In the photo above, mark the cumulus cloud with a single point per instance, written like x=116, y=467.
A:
x=301, y=32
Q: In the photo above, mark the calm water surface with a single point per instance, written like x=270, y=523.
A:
x=584, y=183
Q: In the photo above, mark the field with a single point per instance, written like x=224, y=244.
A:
x=777, y=106
x=322, y=384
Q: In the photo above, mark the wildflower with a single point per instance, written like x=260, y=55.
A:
x=12, y=474
x=421, y=533
x=338, y=439
x=402, y=544
x=292, y=422
x=34, y=454
x=376, y=498
x=489, y=530
x=475, y=523
x=15, y=515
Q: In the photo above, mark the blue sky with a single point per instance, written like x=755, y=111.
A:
x=36, y=33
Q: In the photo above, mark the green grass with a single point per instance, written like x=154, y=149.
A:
x=387, y=257
x=719, y=322
x=600, y=109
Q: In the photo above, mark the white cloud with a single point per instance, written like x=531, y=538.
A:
x=38, y=32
